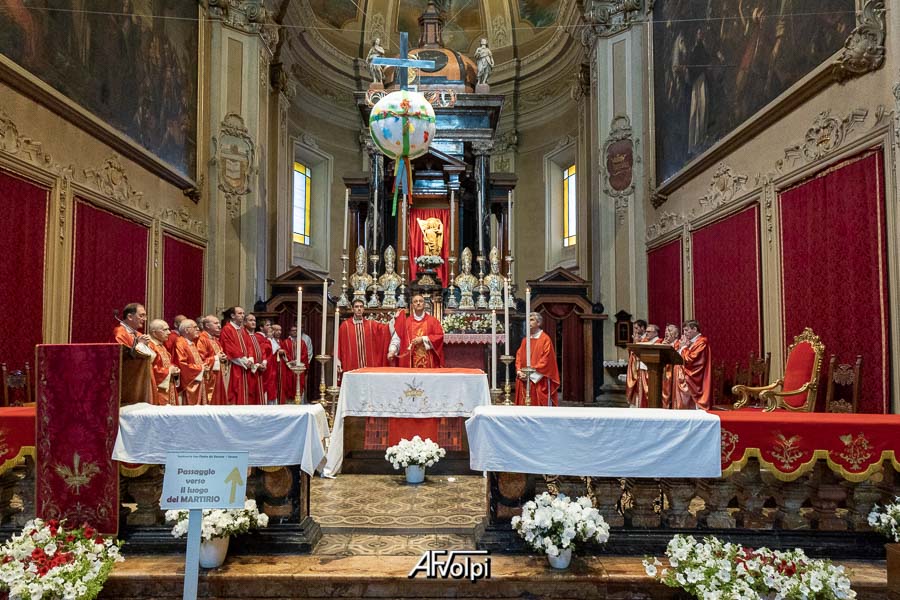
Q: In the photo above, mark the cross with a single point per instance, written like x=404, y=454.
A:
x=404, y=63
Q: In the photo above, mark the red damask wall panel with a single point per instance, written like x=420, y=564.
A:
x=182, y=278
x=110, y=271
x=664, y=284
x=727, y=275
x=834, y=270
x=22, y=238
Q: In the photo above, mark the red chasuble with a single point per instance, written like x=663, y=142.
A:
x=214, y=383
x=543, y=360
x=137, y=371
x=161, y=367
x=361, y=345
x=244, y=385
x=270, y=375
x=695, y=386
x=188, y=359
x=287, y=381
x=419, y=357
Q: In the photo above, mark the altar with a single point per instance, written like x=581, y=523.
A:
x=403, y=393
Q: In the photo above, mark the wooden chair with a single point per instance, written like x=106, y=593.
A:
x=842, y=394
x=17, y=386
x=718, y=384
x=796, y=391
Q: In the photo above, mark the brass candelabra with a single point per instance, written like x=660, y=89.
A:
x=344, y=300
x=528, y=371
x=297, y=369
x=507, y=360
x=323, y=360
x=331, y=406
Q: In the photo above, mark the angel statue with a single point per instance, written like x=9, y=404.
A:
x=465, y=281
x=390, y=281
x=376, y=71
x=360, y=280
x=432, y=235
x=494, y=281
x=484, y=60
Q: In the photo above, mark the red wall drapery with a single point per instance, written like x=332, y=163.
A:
x=664, y=285
x=726, y=265
x=22, y=238
x=182, y=278
x=110, y=271
x=417, y=245
x=834, y=270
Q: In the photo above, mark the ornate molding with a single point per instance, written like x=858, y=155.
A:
x=506, y=142
x=234, y=155
x=686, y=246
x=864, y=49
x=607, y=17
x=666, y=222
x=23, y=147
x=618, y=164
x=826, y=135
x=182, y=219
x=111, y=180
x=769, y=212
x=566, y=140
x=482, y=148
x=723, y=187
x=499, y=35
x=307, y=139
x=249, y=16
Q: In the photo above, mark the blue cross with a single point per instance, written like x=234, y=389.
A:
x=404, y=63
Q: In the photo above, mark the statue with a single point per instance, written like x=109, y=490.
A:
x=484, y=59
x=389, y=281
x=465, y=281
x=494, y=281
x=376, y=71
x=360, y=280
x=432, y=235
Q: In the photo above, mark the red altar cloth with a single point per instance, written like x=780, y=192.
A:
x=16, y=436
x=789, y=444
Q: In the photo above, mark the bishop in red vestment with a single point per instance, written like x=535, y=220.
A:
x=694, y=390
x=137, y=372
x=545, y=379
x=188, y=359
x=217, y=364
x=242, y=349
x=165, y=374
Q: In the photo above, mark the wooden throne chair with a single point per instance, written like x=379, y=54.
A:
x=796, y=391
x=842, y=395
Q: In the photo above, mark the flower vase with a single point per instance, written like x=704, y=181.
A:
x=562, y=560
x=415, y=474
x=212, y=553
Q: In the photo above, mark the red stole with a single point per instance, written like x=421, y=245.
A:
x=419, y=357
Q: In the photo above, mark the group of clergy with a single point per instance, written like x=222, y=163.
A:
x=204, y=362
x=685, y=386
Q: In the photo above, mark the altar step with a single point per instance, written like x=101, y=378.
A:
x=372, y=462
x=386, y=577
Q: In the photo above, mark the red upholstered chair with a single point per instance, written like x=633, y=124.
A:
x=796, y=391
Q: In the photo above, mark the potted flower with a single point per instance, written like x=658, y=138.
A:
x=886, y=520
x=713, y=568
x=414, y=455
x=47, y=560
x=429, y=262
x=217, y=527
x=553, y=525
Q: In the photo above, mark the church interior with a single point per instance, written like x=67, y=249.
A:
x=640, y=252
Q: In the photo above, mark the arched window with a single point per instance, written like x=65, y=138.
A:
x=302, y=202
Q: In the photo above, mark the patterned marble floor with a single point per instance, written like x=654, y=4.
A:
x=383, y=515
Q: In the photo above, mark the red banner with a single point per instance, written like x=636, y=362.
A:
x=790, y=444
x=417, y=241
x=78, y=404
x=16, y=436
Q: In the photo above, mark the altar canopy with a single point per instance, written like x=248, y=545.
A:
x=598, y=442
x=273, y=435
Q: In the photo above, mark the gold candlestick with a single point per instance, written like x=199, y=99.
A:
x=297, y=369
x=452, y=302
x=331, y=406
x=344, y=300
x=528, y=371
x=323, y=360
x=495, y=395
x=507, y=360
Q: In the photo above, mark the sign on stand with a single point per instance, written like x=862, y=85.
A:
x=202, y=480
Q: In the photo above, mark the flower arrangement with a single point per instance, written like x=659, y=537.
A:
x=469, y=323
x=714, y=569
x=220, y=522
x=48, y=561
x=552, y=524
x=416, y=451
x=427, y=261
x=886, y=519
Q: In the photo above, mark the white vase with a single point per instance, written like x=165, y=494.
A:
x=562, y=560
x=415, y=474
x=212, y=553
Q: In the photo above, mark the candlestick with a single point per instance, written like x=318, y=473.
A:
x=334, y=349
x=334, y=393
x=528, y=326
x=506, y=316
x=493, y=348
x=346, y=217
x=509, y=222
x=344, y=301
x=323, y=360
x=507, y=359
x=511, y=225
x=324, y=312
x=528, y=372
x=299, y=312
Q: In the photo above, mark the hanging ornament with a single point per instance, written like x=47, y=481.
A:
x=402, y=126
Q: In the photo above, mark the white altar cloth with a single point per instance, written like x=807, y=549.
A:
x=273, y=435
x=404, y=393
x=597, y=442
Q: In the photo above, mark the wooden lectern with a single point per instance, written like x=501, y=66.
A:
x=657, y=357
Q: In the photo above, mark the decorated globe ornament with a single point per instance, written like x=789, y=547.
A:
x=402, y=124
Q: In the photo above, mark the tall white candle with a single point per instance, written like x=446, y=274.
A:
x=506, y=316
x=403, y=227
x=375, y=225
x=493, y=349
x=528, y=326
x=508, y=223
x=334, y=349
x=299, y=320
x=324, y=313
x=346, y=218
x=452, y=219
x=512, y=243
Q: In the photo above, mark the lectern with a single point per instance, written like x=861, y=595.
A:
x=657, y=357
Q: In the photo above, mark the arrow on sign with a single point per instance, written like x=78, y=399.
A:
x=234, y=478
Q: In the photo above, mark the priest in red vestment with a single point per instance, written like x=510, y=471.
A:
x=165, y=374
x=270, y=373
x=695, y=388
x=642, y=397
x=174, y=333
x=671, y=338
x=545, y=379
x=242, y=349
x=137, y=372
x=217, y=364
x=187, y=358
x=633, y=388
x=418, y=343
x=285, y=357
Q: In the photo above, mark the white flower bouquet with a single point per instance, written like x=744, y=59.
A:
x=469, y=323
x=48, y=561
x=552, y=524
x=416, y=451
x=714, y=569
x=220, y=522
x=427, y=261
x=886, y=519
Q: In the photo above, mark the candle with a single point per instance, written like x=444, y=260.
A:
x=346, y=217
x=299, y=318
x=493, y=349
x=324, y=313
x=452, y=218
x=403, y=226
x=506, y=316
x=509, y=223
x=375, y=225
x=511, y=242
x=528, y=327
x=334, y=350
